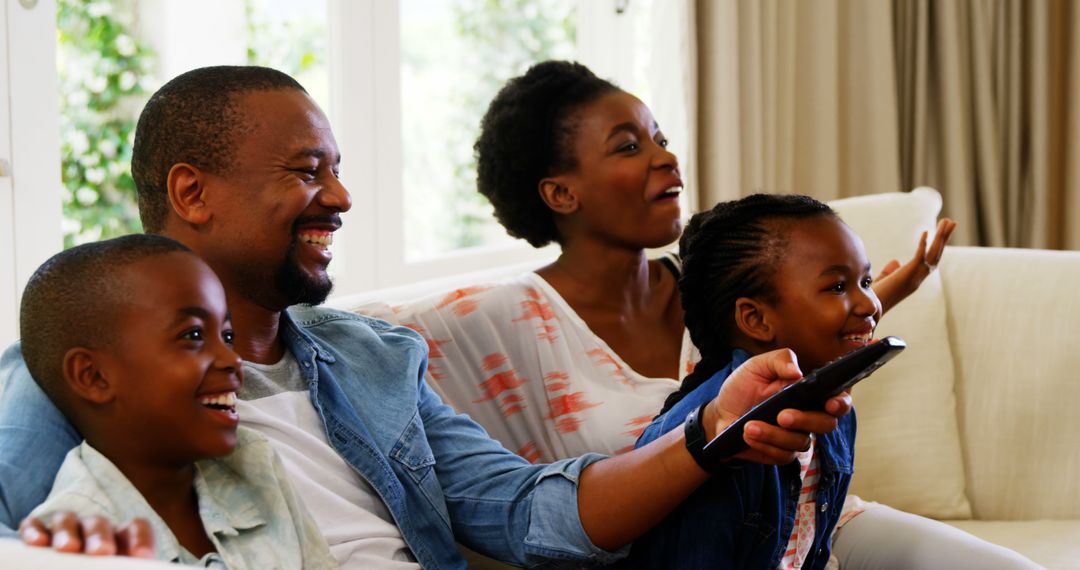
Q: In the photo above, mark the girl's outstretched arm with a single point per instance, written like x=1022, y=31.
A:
x=897, y=281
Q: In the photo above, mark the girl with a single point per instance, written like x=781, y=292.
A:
x=761, y=273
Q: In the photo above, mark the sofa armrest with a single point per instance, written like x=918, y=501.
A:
x=1012, y=314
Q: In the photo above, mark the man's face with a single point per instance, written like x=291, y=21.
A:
x=275, y=208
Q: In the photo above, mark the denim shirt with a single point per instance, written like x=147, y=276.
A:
x=441, y=476
x=743, y=516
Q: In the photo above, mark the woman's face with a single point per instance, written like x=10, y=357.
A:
x=626, y=185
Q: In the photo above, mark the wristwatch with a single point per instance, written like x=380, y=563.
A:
x=694, y=431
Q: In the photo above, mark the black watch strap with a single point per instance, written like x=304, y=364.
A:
x=694, y=431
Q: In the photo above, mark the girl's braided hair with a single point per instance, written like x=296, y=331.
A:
x=728, y=252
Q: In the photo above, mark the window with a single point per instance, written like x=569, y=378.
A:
x=454, y=58
x=404, y=83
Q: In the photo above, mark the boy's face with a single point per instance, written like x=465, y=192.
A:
x=826, y=307
x=172, y=367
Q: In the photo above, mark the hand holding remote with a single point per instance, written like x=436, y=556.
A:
x=807, y=394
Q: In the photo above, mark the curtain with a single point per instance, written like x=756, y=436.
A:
x=833, y=98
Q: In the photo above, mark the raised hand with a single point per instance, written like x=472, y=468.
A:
x=896, y=282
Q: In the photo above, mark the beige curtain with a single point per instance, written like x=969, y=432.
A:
x=833, y=98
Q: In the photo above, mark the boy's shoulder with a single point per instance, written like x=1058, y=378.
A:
x=89, y=484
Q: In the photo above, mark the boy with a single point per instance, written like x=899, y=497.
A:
x=132, y=340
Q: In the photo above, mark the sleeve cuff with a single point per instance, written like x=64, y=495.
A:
x=555, y=530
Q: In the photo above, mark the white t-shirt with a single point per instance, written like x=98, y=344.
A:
x=354, y=520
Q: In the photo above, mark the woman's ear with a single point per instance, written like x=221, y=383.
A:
x=558, y=196
x=187, y=193
x=84, y=375
x=751, y=317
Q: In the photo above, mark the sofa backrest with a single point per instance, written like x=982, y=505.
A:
x=1012, y=317
x=908, y=449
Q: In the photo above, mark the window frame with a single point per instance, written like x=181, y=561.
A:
x=30, y=186
x=364, y=52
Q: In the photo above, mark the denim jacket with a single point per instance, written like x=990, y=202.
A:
x=441, y=476
x=743, y=516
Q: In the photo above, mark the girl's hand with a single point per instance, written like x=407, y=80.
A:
x=897, y=281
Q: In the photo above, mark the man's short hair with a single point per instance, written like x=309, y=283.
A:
x=73, y=299
x=195, y=118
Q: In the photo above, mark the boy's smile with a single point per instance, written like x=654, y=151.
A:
x=825, y=307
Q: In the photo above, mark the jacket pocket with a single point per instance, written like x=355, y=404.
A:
x=413, y=457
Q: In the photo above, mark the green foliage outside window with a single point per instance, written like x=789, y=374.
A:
x=101, y=66
x=456, y=54
x=505, y=37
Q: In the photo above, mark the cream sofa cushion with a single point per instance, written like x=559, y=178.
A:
x=1018, y=379
x=1050, y=543
x=908, y=453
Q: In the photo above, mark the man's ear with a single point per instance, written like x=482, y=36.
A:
x=752, y=318
x=558, y=196
x=187, y=193
x=85, y=376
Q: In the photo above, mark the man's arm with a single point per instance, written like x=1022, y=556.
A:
x=520, y=513
x=622, y=497
x=34, y=438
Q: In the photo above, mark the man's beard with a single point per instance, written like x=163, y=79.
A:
x=297, y=287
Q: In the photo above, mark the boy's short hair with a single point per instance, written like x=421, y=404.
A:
x=72, y=300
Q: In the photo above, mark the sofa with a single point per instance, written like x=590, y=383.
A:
x=972, y=423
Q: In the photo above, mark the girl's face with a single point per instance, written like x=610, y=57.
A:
x=626, y=185
x=825, y=305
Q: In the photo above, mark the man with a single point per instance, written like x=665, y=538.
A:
x=240, y=165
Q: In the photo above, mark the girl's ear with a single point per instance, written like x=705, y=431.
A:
x=187, y=193
x=85, y=376
x=558, y=196
x=751, y=316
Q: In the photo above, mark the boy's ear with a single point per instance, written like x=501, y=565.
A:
x=85, y=376
x=187, y=193
x=558, y=196
x=751, y=316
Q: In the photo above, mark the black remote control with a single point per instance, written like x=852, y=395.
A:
x=808, y=394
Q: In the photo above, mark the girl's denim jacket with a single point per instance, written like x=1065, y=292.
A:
x=443, y=479
x=743, y=516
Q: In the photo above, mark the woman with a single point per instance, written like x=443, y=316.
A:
x=580, y=355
